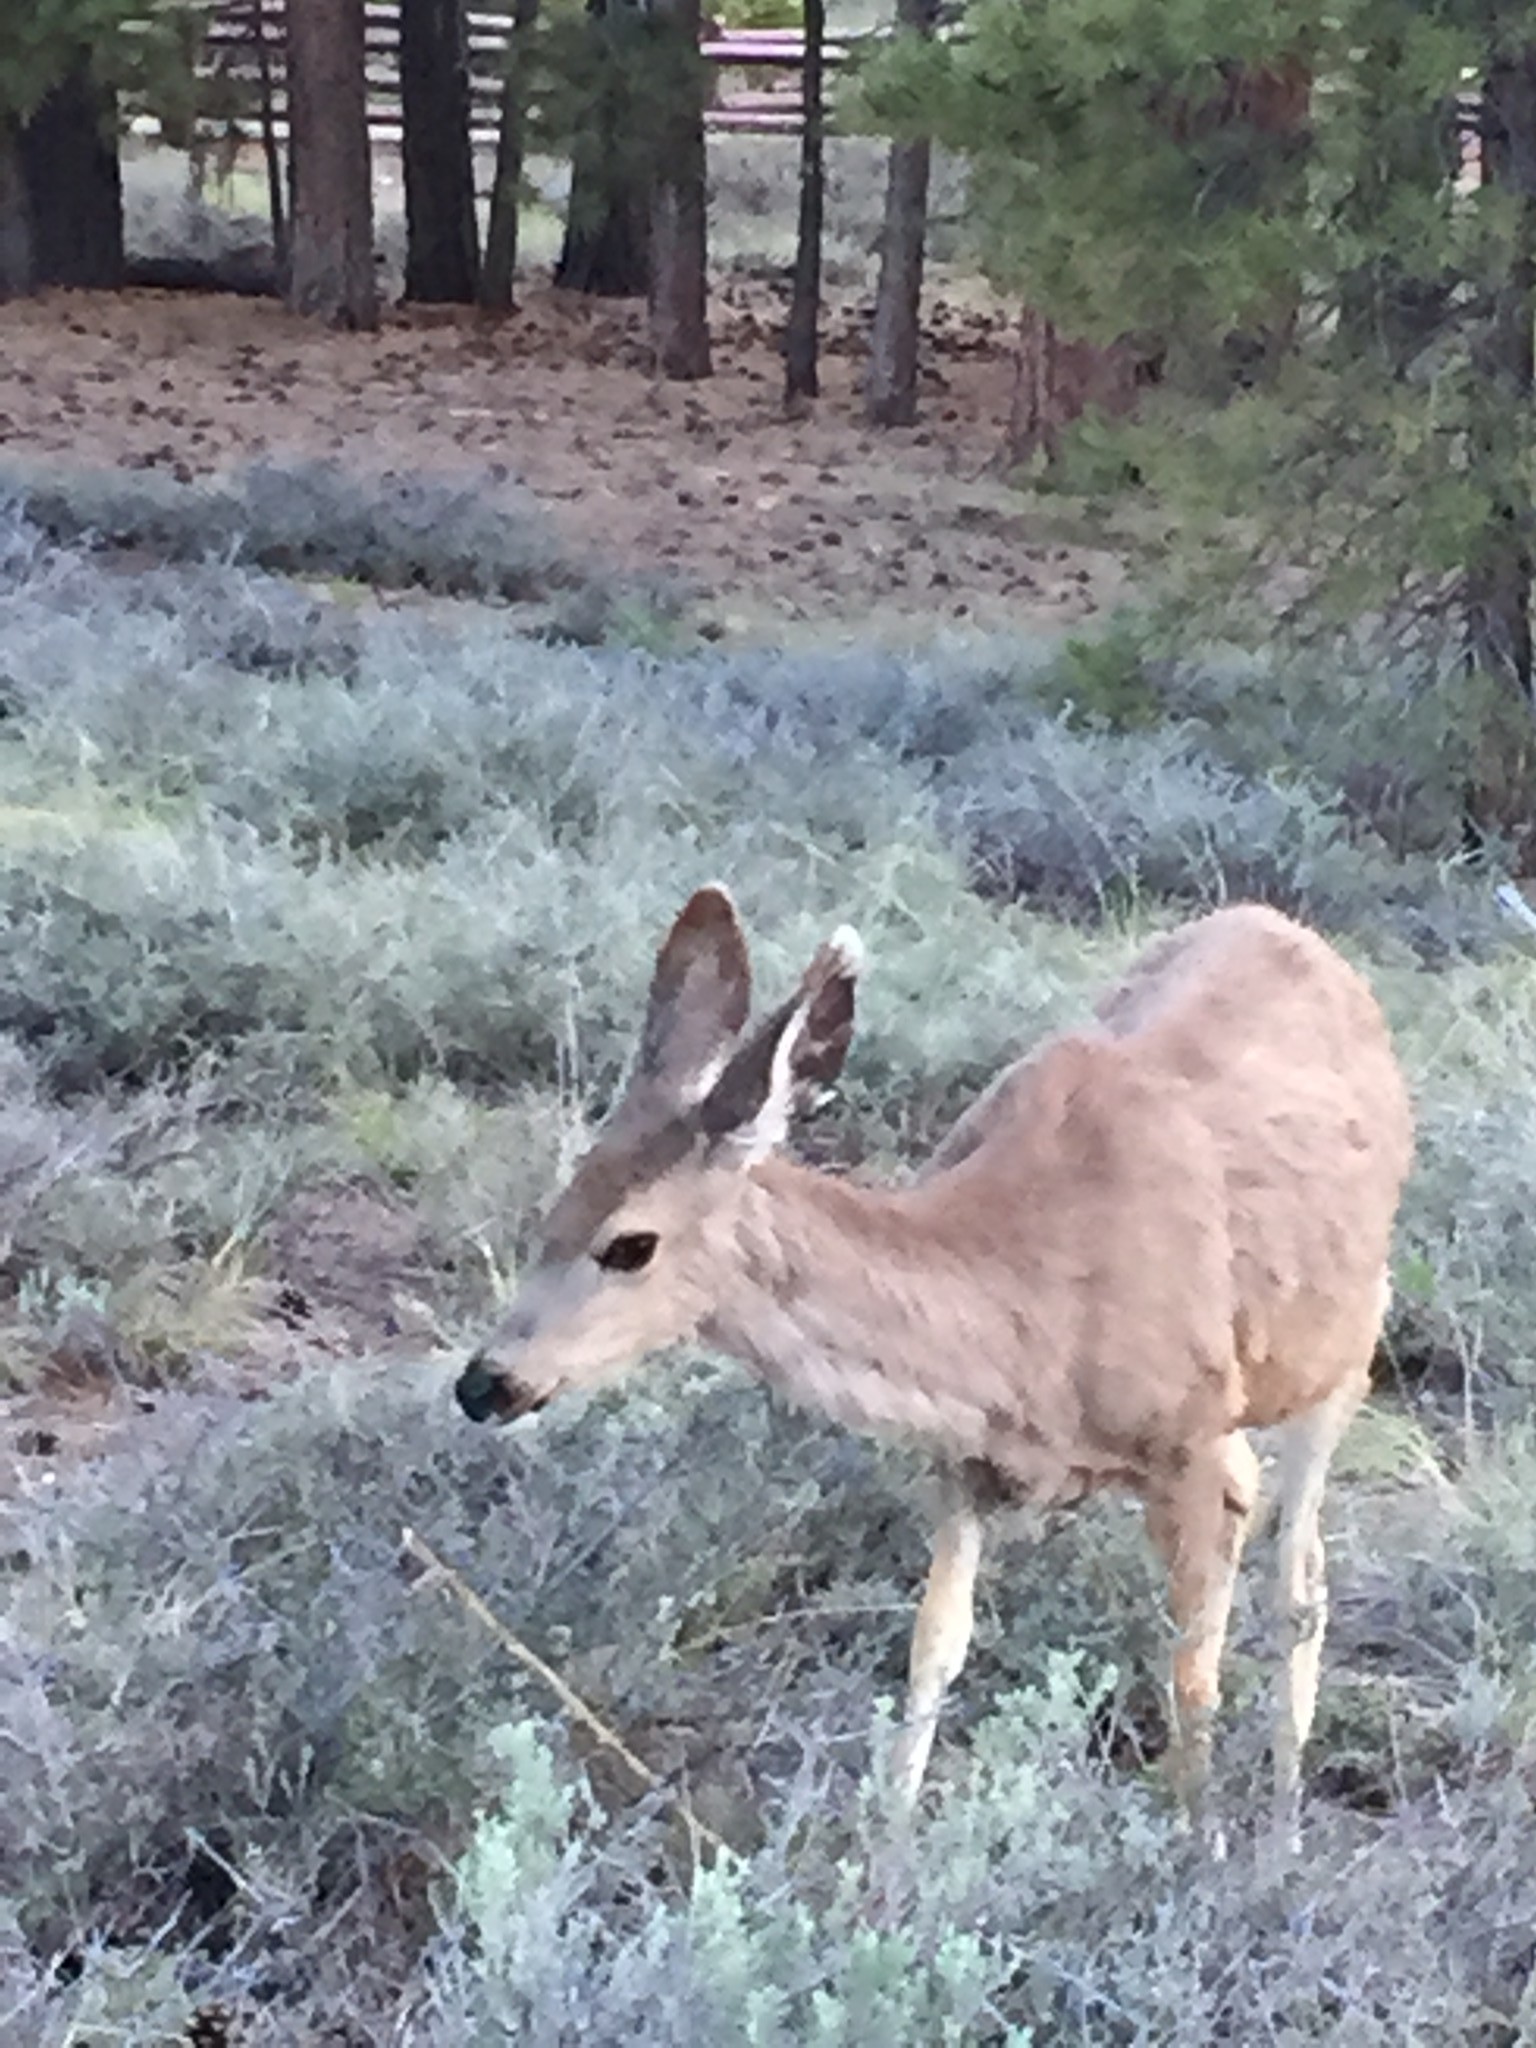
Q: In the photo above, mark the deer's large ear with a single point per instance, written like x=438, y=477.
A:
x=701, y=996
x=794, y=1052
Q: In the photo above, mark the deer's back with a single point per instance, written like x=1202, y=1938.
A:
x=1197, y=1194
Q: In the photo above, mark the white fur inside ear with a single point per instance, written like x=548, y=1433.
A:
x=770, y=1127
x=849, y=947
x=698, y=1086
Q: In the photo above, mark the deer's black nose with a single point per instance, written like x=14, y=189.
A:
x=481, y=1392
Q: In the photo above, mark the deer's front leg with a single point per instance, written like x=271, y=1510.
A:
x=940, y=1640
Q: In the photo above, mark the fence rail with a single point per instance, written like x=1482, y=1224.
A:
x=244, y=44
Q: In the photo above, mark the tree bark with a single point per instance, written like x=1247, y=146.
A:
x=605, y=253
x=890, y=390
x=1499, y=583
x=1055, y=382
x=802, y=333
x=331, y=275
x=17, y=276
x=679, y=266
x=606, y=250
x=1031, y=413
x=271, y=158
x=442, y=259
x=499, y=270
x=74, y=185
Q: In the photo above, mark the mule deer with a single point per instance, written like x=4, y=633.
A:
x=1146, y=1237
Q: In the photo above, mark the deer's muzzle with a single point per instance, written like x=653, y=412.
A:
x=486, y=1394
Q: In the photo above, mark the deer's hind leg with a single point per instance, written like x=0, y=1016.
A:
x=940, y=1638
x=1198, y=1516
x=1307, y=1447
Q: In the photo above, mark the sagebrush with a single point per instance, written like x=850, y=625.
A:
x=326, y=923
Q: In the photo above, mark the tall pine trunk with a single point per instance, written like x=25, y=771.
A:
x=606, y=250
x=331, y=275
x=74, y=183
x=17, y=276
x=679, y=266
x=1504, y=560
x=890, y=389
x=1056, y=381
x=803, y=331
x=500, y=266
x=442, y=251
x=270, y=154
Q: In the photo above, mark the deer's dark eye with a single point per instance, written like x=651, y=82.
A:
x=628, y=1252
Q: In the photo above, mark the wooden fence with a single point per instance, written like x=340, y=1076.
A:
x=245, y=43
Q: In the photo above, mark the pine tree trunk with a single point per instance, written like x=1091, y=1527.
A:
x=890, y=390
x=17, y=276
x=1499, y=584
x=1031, y=427
x=271, y=157
x=1055, y=382
x=442, y=260
x=802, y=334
x=74, y=185
x=499, y=269
x=606, y=250
x=679, y=266
x=331, y=276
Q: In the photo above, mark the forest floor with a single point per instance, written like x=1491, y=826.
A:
x=772, y=526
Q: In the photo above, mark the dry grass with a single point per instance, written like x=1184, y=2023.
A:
x=325, y=925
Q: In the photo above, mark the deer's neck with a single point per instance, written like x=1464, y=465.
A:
x=870, y=1304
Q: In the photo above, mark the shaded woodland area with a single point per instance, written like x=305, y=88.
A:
x=623, y=84
x=1347, y=206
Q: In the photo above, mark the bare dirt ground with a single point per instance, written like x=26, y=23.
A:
x=347, y=1276
x=780, y=526
x=812, y=527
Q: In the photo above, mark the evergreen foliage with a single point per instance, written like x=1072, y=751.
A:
x=42, y=40
x=1272, y=197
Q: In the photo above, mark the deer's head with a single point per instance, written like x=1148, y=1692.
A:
x=634, y=1250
